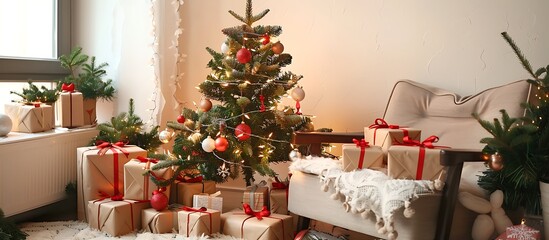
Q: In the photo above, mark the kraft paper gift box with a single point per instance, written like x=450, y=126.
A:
x=361, y=155
x=209, y=201
x=183, y=192
x=70, y=109
x=30, y=118
x=256, y=196
x=116, y=217
x=105, y=173
x=165, y=221
x=196, y=222
x=278, y=200
x=273, y=227
x=405, y=162
x=138, y=184
x=385, y=135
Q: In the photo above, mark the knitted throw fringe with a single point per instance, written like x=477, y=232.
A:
x=367, y=191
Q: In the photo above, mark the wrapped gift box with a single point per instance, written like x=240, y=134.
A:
x=165, y=221
x=279, y=200
x=273, y=227
x=209, y=201
x=138, y=184
x=70, y=109
x=404, y=162
x=89, y=113
x=30, y=118
x=196, y=222
x=384, y=135
x=105, y=173
x=116, y=217
x=257, y=197
x=359, y=156
x=183, y=192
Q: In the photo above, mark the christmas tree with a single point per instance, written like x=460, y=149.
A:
x=247, y=130
x=518, y=150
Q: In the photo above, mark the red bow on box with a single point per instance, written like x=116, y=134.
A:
x=381, y=123
x=67, y=87
x=259, y=215
x=145, y=160
x=362, y=144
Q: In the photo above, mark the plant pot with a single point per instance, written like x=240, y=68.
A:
x=90, y=117
x=544, y=190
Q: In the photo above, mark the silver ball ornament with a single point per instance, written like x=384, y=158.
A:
x=5, y=125
x=298, y=94
x=165, y=136
x=225, y=47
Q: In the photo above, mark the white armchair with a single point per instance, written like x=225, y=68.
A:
x=435, y=112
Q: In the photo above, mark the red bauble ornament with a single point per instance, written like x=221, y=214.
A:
x=180, y=119
x=243, y=55
x=242, y=131
x=221, y=144
x=265, y=39
x=277, y=48
x=159, y=200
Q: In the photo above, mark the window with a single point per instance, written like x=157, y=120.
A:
x=34, y=34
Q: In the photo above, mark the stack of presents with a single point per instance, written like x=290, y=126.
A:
x=400, y=151
x=117, y=195
x=67, y=111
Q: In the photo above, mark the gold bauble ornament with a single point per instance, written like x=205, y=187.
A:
x=195, y=137
x=205, y=105
x=277, y=48
x=165, y=136
x=496, y=162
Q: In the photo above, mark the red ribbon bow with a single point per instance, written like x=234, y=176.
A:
x=103, y=148
x=259, y=215
x=277, y=184
x=362, y=144
x=190, y=209
x=198, y=179
x=106, y=146
x=145, y=160
x=428, y=142
x=67, y=87
x=116, y=197
x=381, y=123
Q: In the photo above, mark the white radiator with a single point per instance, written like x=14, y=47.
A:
x=35, y=168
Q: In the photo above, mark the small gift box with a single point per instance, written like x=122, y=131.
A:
x=90, y=113
x=272, y=227
x=384, y=135
x=70, y=107
x=101, y=169
x=209, y=201
x=257, y=196
x=415, y=161
x=116, y=217
x=361, y=155
x=278, y=197
x=183, y=190
x=30, y=118
x=165, y=221
x=138, y=184
x=196, y=222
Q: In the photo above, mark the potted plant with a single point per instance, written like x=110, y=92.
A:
x=519, y=147
x=87, y=77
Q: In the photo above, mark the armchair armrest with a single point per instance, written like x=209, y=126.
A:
x=316, y=139
x=453, y=159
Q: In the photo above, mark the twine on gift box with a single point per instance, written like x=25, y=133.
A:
x=199, y=211
x=69, y=88
x=381, y=123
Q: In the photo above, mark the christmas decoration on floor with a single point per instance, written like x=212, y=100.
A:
x=248, y=129
x=518, y=150
x=8, y=229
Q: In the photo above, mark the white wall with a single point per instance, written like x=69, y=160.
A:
x=351, y=52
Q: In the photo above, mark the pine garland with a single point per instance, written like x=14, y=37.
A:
x=242, y=89
x=35, y=94
x=523, y=145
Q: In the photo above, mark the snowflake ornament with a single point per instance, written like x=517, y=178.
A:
x=223, y=171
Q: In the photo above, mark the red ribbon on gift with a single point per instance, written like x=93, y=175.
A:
x=198, y=179
x=106, y=146
x=381, y=123
x=99, y=210
x=196, y=210
x=147, y=162
x=277, y=184
x=67, y=87
x=259, y=215
x=427, y=143
x=362, y=144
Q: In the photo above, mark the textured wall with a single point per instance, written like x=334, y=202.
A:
x=351, y=52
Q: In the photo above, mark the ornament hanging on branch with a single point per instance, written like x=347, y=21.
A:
x=225, y=48
x=159, y=200
x=180, y=119
x=262, y=100
x=165, y=136
x=298, y=95
x=208, y=144
x=205, y=105
x=496, y=162
x=277, y=48
x=243, y=55
x=221, y=144
x=265, y=39
x=242, y=131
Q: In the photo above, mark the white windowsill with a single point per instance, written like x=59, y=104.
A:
x=14, y=137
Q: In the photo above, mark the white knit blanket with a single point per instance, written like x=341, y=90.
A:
x=367, y=191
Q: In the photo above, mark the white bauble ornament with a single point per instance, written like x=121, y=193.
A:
x=165, y=136
x=225, y=48
x=5, y=125
x=298, y=94
x=208, y=144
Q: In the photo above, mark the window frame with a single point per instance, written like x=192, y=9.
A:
x=21, y=69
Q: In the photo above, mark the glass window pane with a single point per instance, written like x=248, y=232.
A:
x=28, y=29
